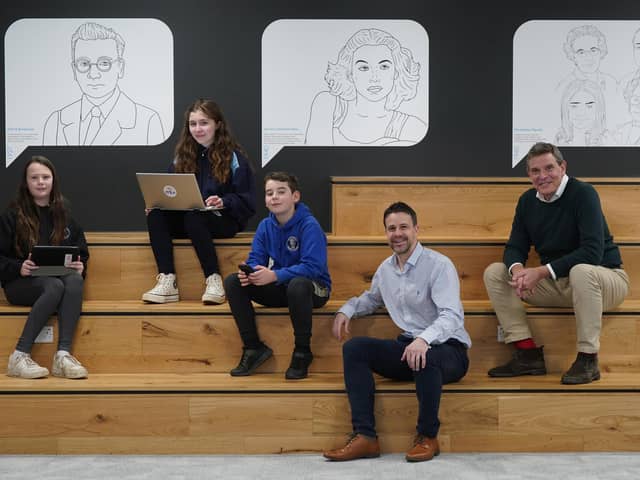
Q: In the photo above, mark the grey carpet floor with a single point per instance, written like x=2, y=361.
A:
x=583, y=466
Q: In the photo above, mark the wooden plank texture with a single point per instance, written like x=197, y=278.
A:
x=200, y=343
x=298, y=422
x=185, y=343
x=464, y=207
x=126, y=272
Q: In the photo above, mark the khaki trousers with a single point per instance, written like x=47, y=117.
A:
x=589, y=290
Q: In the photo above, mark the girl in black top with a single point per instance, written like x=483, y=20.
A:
x=39, y=216
x=227, y=183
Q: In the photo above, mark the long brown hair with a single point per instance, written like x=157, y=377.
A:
x=27, y=213
x=220, y=152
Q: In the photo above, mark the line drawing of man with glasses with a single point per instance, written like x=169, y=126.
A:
x=104, y=115
x=586, y=47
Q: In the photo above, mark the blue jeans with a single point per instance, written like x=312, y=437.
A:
x=363, y=356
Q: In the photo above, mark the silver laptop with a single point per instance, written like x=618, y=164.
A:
x=53, y=261
x=171, y=191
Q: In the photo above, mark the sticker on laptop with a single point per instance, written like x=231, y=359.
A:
x=170, y=191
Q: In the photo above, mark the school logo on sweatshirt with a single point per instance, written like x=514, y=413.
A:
x=292, y=244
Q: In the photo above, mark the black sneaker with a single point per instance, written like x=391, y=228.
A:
x=300, y=362
x=524, y=362
x=251, y=359
x=584, y=370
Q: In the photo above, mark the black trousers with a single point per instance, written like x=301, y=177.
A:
x=47, y=295
x=200, y=227
x=298, y=295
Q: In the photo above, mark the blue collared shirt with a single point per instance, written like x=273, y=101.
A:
x=423, y=299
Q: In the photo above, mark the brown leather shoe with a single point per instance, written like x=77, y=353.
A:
x=358, y=446
x=424, y=448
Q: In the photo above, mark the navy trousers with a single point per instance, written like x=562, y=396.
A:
x=363, y=356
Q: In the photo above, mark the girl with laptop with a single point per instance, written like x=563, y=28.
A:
x=207, y=149
x=39, y=216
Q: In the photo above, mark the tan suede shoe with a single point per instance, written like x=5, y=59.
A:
x=424, y=448
x=358, y=446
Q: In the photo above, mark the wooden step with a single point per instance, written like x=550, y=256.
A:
x=468, y=207
x=197, y=414
x=266, y=383
x=187, y=337
x=124, y=272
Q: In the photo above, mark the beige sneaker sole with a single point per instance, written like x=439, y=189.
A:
x=151, y=298
x=75, y=376
x=32, y=376
x=213, y=299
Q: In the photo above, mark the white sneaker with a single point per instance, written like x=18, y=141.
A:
x=67, y=366
x=22, y=365
x=165, y=291
x=214, y=293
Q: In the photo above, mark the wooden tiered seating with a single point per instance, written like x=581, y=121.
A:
x=158, y=373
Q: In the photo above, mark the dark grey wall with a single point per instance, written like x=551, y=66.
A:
x=217, y=45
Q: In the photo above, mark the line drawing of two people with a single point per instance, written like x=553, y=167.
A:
x=583, y=102
x=592, y=99
x=104, y=115
x=371, y=78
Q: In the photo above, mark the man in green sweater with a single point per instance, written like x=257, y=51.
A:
x=580, y=267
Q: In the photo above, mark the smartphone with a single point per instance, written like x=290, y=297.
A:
x=246, y=268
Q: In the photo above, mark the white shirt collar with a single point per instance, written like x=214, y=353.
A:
x=558, y=193
x=413, y=258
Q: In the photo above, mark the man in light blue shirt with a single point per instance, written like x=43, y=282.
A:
x=420, y=289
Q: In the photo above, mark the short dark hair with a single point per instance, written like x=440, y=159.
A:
x=399, y=207
x=541, y=148
x=289, y=178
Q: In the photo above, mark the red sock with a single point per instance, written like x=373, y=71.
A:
x=526, y=344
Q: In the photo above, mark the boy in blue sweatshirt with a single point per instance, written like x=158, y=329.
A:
x=287, y=266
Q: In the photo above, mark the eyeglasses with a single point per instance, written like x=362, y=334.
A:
x=104, y=64
x=583, y=53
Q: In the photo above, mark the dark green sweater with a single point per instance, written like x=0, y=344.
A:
x=566, y=232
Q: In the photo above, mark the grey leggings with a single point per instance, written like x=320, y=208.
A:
x=47, y=295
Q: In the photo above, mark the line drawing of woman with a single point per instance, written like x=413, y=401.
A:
x=582, y=115
x=371, y=78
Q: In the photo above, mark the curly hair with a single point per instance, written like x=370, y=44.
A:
x=405, y=86
x=220, y=152
x=27, y=213
x=583, y=31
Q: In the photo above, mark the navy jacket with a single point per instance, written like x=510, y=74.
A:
x=238, y=193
